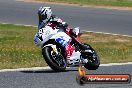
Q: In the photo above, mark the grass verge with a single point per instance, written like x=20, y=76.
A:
x=127, y=3
x=17, y=48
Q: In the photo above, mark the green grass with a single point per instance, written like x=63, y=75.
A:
x=111, y=49
x=17, y=49
x=95, y=2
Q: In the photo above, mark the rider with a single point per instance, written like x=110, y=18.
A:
x=46, y=18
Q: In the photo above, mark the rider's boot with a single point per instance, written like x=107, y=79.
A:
x=84, y=61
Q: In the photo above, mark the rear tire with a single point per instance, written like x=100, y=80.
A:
x=93, y=59
x=46, y=52
x=93, y=65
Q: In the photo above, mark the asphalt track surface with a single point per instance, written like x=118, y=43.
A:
x=89, y=19
x=50, y=79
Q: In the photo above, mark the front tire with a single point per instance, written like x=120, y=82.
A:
x=46, y=52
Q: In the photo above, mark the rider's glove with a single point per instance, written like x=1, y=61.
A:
x=75, y=31
x=63, y=25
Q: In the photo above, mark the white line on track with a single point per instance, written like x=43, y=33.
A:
x=85, y=31
x=112, y=64
x=25, y=69
x=44, y=68
x=110, y=33
x=19, y=24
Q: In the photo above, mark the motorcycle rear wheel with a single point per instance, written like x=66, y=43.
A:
x=93, y=59
x=93, y=64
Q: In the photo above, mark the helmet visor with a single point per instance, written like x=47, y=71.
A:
x=42, y=17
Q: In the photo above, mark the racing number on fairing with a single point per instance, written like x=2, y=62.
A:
x=45, y=32
x=40, y=31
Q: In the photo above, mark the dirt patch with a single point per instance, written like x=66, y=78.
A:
x=90, y=6
x=122, y=40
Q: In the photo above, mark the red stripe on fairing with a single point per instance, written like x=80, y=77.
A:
x=78, y=39
x=69, y=51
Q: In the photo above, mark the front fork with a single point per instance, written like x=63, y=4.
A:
x=54, y=49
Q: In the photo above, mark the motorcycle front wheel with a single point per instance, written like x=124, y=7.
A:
x=57, y=62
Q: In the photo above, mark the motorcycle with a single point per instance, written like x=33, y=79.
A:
x=53, y=42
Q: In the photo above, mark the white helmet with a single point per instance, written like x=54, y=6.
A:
x=44, y=13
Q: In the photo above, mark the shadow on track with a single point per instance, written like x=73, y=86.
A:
x=47, y=71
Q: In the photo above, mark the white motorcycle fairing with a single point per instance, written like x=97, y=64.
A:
x=60, y=36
